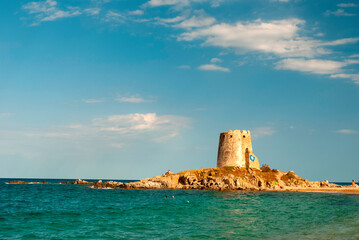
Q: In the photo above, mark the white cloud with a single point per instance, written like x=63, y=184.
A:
x=92, y=100
x=115, y=129
x=158, y=3
x=280, y=37
x=216, y=3
x=215, y=60
x=169, y=20
x=347, y=131
x=133, y=99
x=92, y=11
x=343, y=5
x=114, y=17
x=45, y=11
x=179, y=4
x=263, y=131
x=342, y=41
x=339, y=12
x=312, y=65
x=137, y=12
x=318, y=66
x=354, y=56
x=353, y=77
x=213, y=67
x=196, y=21
x=6, y=114
x=137, y=123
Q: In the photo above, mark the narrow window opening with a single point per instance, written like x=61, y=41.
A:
x=231, y=136
x=244, y=136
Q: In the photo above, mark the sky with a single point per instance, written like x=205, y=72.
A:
x=128, y=89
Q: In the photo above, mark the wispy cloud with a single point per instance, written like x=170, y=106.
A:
x=92, y=100
x=48, y=134
x=318, y=66
x=312, y=65
x=216, y=60
x=180, y=3
x=340, y=12
x=115, y=129
x=200, y=19
x=92, y=11
x=114, y=17
x=158, y=3
x=344, y=5
x=166, y=21
x=137, y=12
x=133, y=99
x=263, y=131
x=353, y=77
x=347, y=131
x=6, y=114
x=213, y=67
x=279, y=37
x=45, y=11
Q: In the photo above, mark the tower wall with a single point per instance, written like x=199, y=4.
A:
x=235, y=149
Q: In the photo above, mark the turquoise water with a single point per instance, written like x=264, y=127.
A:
x=77, y=212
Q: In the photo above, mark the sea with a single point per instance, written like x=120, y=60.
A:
x=54, y=211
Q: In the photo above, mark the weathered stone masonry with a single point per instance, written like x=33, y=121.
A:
x=235, y=149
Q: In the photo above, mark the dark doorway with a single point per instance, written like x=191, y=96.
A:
x=246, y=155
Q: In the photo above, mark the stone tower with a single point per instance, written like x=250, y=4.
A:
x=235, y=149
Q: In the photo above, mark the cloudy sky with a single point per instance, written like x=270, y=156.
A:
x=128, y=89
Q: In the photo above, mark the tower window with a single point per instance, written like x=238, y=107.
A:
x=244, y=136
x=231, y=136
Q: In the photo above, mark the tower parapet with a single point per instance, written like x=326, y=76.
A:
x=235, y=149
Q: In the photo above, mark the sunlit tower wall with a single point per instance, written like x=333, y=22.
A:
x=235, y=150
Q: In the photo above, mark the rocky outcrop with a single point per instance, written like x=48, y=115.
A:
x=16, y=182
x=81, y=182
x=220, y=179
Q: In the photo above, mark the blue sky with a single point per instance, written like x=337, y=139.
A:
x=128, y=89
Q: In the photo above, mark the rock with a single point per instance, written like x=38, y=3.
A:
x=324, y=183
x=17, y=182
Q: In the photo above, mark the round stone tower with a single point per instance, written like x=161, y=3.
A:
x=235, y=149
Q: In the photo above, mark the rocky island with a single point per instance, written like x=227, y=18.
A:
x=237, y=169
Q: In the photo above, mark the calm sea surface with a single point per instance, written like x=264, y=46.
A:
x=78, y=212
